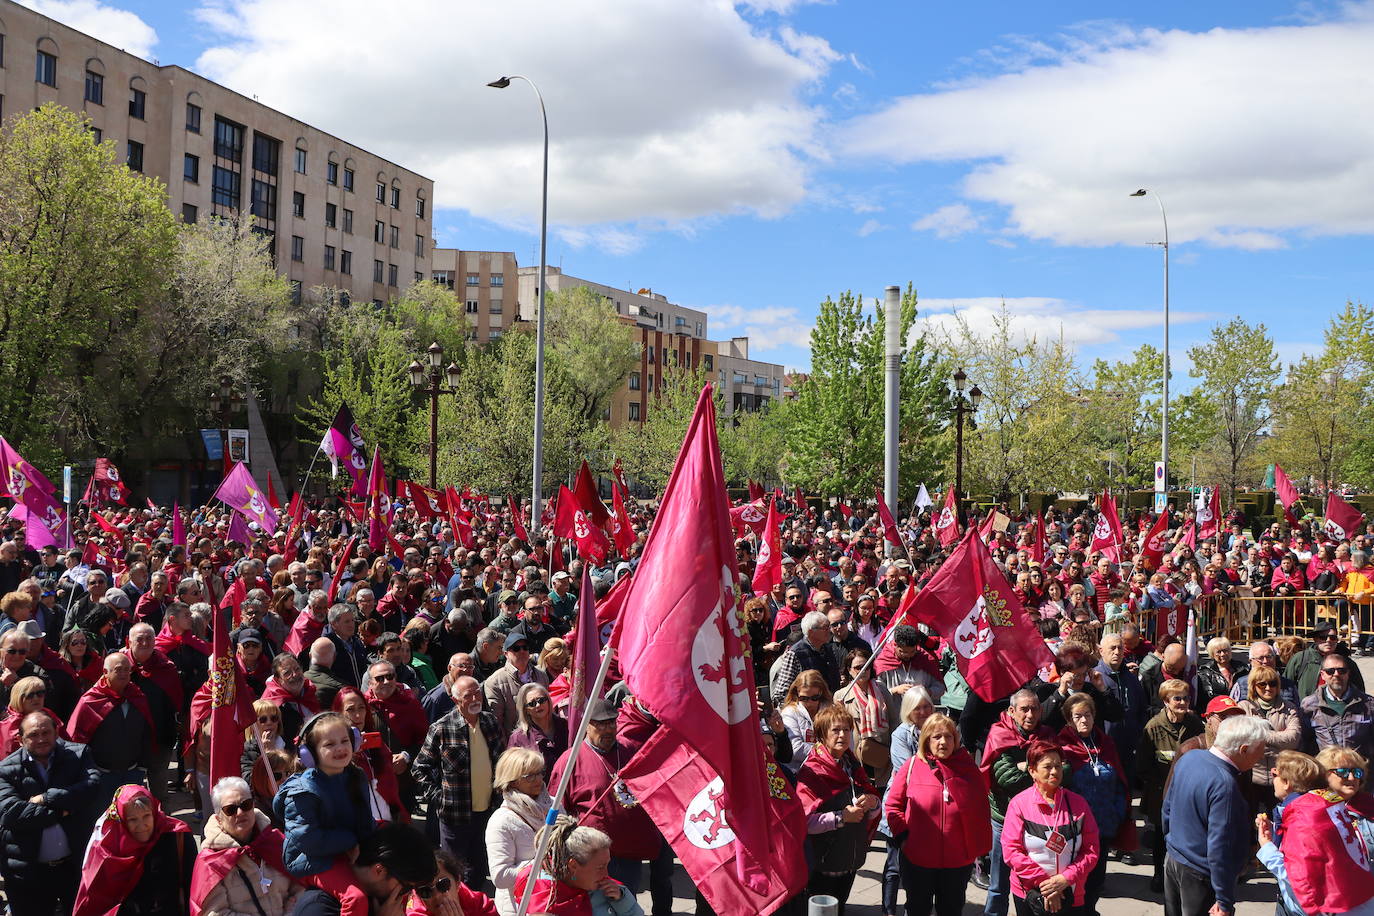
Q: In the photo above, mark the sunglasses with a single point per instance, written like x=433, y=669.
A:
x=233, y=810
x=519, y=648
x=1332, y=672
x=536, y=702
x=263, y=720
x=1349, y=772
x=383, y=678
x=49, y=594
x=442, y=886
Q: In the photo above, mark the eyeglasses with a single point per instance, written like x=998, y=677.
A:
x=519, y=648
x=1270, y=685
x=838, y=625
x=382, y=678
x=442, y=886
x=233, y=810
x=536, y=702
x=263, y=720
x=537, y=774
x=1349, y=772
x=1332, y=672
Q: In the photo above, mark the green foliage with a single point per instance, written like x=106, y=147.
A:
x=1238, y=369
x=651, y=448
x=591, y=353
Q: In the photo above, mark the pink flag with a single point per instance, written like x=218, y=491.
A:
x=889, y=523
x=1287, y=493
x=238, y=530
x=1209, y=513
x=1107, y=536
x=586, y=656
x=378, y=503
x=970, y=603
x=240, y=491
x=178, y=527
x=1342, y=519
x=38, y=533
x=768, y=565
x=18, y=474
x=622, y=533
x=681, y=643
x=947, y=522
x=343, y=442
x=687, y=800
x=1188, y=535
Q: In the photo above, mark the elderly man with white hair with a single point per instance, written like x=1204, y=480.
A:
x=811, y=652
x=234, y=869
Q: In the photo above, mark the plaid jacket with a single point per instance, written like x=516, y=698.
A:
x=442, y=770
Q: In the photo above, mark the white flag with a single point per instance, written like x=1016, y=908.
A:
x=923, y=500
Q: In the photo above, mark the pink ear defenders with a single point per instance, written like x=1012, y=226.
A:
x=303, y=751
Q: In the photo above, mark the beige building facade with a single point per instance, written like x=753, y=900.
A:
x=487, y=282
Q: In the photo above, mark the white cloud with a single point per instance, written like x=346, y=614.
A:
x=661, y=113
x=1247, y=134
x=869, y=227
x=948, y=222
x=769, y=329
x=121, y=28
x=1044, y=317
x=780, y=7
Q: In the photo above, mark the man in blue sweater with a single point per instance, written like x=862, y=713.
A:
x=1207, y=821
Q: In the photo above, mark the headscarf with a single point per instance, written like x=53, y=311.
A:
x=114, y=859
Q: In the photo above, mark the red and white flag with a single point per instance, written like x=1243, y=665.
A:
x=429, y=503
x=768, y=564
x=889, y=523
x=970, y=603
x=573, y=522
x=1107, y=535
x=97, y=555
x=684, y=651
x=686, y=799
x=459, y=518
x=1342, y=519
x=516, y=521
x=589, y=497
x=947, y=522
x=749, y=517
x=1284, y=489
x=619, y=474
x=1209, y=513
x=1156, y=542
x=18, y=475
x=622, y=532
x=586, y=654
x=107, y=484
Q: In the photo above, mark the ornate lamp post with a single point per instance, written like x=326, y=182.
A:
x=962, y=407
x=433, y=380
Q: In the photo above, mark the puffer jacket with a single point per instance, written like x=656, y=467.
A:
x=325, y=817
x=947, y=799
x=234, y=894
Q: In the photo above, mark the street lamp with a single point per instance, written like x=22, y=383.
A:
x=222, y=403
x=1164, y=415
x=962, y=407
x=431, y=380
x=538, y=475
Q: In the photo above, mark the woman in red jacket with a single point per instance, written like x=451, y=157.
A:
x=939, y=792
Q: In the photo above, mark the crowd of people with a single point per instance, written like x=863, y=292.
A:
x=412, y=715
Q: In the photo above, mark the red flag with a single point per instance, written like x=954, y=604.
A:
x=609, y=607
x=1283, y=487
x=1188, y=535
x=768, y=565
x=619, y=474
x=458, y=517
x=844, y=510
x=108, y=483
x=1155, y=542
x=947, y=523
x=572, y=522
x=1325, y=854
x=586, y=655
x=889, y=523
x=681, y=643
x=178, y=526
x=429, y=503
x=589, y=497
x=225, y=700
x=378, y=503
x=108, y=526
x=1039, y=542
x=750, y=516
x=1342, y=519
x=340, y=565
x=1107, y=536
x=755, y=490
x=985, y=530
x=1209, y=514
x=272, y=494
x=516, y=521
x=1289, y=517
x=686, y=798
x=970, y=603
x=800, y=499
x=94, y=555
x=152, y=506
x=622, y=533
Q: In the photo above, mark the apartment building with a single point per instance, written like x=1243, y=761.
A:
x=487, y=282
x=337, y=214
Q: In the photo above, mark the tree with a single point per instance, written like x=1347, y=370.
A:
x=1123, y=412
x=649, y=449
x=835, y=429
x=591, y=352
x=85, y=246
x=753, y=443
x=1238, y=368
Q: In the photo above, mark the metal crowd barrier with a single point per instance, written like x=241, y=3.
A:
x=1244, y=619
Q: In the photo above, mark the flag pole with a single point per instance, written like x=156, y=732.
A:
x=554, y=810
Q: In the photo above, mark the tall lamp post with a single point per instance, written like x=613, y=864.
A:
x=222, y=403
x=962, y=407
x=538, y=475
x=429, y=379
x=1164, y=414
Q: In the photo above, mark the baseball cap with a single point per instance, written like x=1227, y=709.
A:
x=601, y=711
x=508, y=596
x=560, y=575
x=1223, y=705
x=515, y=639
x=249, y=634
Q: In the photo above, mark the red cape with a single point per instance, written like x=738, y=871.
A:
x=404, y=715
x=553, y=897
x=9, y=730
x=159, y=669
x=821, y=778
x=1327, y=863
x=167, y=641
x=95, y=704
x=114, y=862
x=1004, y=735
x=276, y=693
x=213, y=864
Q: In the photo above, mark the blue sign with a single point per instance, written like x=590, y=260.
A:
x=214, y=445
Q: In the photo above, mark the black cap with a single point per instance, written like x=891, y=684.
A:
x=601, y=711
x=248, y=634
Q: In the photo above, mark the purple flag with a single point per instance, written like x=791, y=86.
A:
x=240, y=491
x=343, y=441
x=18, y=474
x=178, y=527
x=586, y=657
x=238, y=530
x=37, y=531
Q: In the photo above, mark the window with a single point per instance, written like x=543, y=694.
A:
x=498, y=280
x=348, y=179
x=651, y=356
x=698, y=328
x=300, y=161
x=379, y=232
x=494, y=307
x=225, y=187
x=346, y=262
x=395, y=237
x=470, y=307
x=138, y=103
x=381, y=193
x=296, y=292
x=377, y=267
x=298, y=204
x=193, y=118
x=297, y=248
x=331, y=173
x=228, y=140
x=493, y=334
x=443, y=278
x=634, y=410
x=135, y=155
x=348, y=221
x=45, y=71
x=391, y=275
x=740, y=378
x=474, y=280
x=95, y=88
x=418, y=276
x=419, y=246
x=328, y=257
x=190, y=169
x=2, y=50
x=265, y=154
x=395, y=198
x=96, y=133
x=634, y=381
x=706, y=363
x=188, y=214
x=331, y=215
x=651, y=381
x=264, y=204
x=420, y=207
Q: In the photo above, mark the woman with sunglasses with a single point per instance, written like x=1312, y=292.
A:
x=537, y=727
x=808, y=695
x=520, y=778
x=239, y=868
x=1265, y=699
x=1327, y=866
x=30, y=694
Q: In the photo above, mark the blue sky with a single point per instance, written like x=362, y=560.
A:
x=753, y=158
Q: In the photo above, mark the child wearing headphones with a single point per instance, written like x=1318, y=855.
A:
x=326, y=811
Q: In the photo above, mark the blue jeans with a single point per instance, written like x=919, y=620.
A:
x=892, y=876
x=999, y=877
